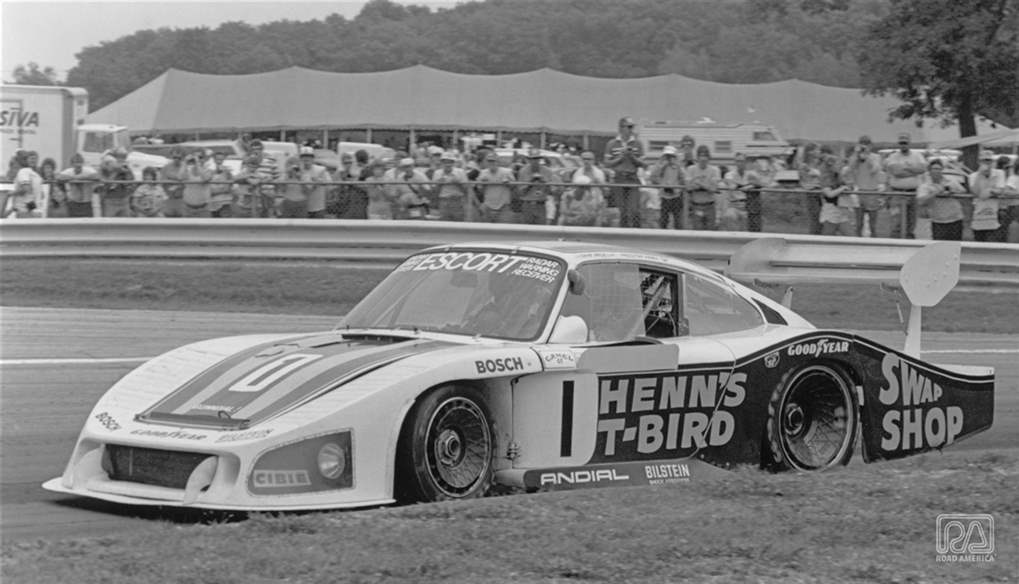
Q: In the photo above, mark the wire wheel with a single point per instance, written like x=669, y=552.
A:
x=459, y=446
x=447, y=447
x=812, y=420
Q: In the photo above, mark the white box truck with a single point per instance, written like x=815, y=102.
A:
x=724, y=140
x=51, y=121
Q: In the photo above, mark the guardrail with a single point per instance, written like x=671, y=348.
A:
x=383, y=244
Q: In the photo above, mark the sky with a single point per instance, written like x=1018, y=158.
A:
x=51, y=32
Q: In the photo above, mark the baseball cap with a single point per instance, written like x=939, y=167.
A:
x=626, y=121
x=307, y=151
x=669, y=151
x=904, y=138
x=582, y=179
x=534, y=153
x=77, y=157
x=739, y=156
x=865, y=139
x=986, y=155
x=406, y=162
x=433, y=150
x=448, y=156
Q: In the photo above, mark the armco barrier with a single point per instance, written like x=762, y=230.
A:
x=382, y=244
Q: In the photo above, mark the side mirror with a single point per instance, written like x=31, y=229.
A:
x=569, y=330
x=577, y=282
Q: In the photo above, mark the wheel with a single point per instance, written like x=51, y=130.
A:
x=446, y=447
x=812, y=420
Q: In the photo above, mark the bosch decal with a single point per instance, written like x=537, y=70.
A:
x=499, y=365
x=107, y=421
x=268, y=479
x=919, y=423
x=644, y=417
x=818, y=347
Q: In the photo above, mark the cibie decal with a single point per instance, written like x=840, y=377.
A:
x=647, y=417
x=245, y=435
x=273, y=371
x=919, y=423
x=499, y=365
x=818, y=347
x=270, y=479
x=771, y=360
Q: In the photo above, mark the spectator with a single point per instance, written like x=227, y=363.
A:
x=702, y=180
x=362, y=161
x=312, y=177
x=53, y=195
x=537, y=190
x=380, y=204
x=453, y=190
x=650, y=202
x=250, y=199
x=836, y=216
x=26, y=200
x=760, y=176
x=116, y=192
x=221, y=194
x=148, y=198
x=1010, y=212
x=582, y=204
x=79, y=181
x=668, y=173
x=495, y=191
x=905, y=170
x=864, y=174
x=737, y=181
x=624, y=157
x=295, y=195
x=687, y=151
x=936, y=192
x=808, y=165
x=197, y=191
x=987, y=184
x=349, y=202
x=269, y=170
x=175, y=172
x=408, y=189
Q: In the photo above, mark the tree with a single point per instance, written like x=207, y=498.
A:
x=31, y=74
x=947, y=60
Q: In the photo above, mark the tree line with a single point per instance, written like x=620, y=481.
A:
x=942, y=58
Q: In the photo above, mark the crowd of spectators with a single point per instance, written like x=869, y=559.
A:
x=683, y=189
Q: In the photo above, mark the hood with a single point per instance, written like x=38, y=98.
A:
x=268, y=379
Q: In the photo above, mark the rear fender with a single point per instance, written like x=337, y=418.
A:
x=910, y=406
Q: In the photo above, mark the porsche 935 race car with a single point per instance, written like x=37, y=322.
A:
x=539, y=366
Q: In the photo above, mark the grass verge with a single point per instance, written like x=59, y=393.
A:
x=873, y=523
x=324, y=288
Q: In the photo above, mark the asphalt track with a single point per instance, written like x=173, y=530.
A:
x=55, y=363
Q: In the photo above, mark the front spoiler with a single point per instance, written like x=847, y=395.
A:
x=56, y=485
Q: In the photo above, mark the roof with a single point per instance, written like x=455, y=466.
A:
x=542, y=100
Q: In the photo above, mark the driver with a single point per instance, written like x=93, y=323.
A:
x=514, y=308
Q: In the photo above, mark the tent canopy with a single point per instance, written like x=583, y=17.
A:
x=420, y=97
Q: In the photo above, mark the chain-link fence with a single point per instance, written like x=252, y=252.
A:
x=766, y=210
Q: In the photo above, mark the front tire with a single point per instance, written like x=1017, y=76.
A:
x=812, y=420
x=447, y=447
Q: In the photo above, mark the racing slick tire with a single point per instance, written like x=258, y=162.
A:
x=812, y=420
x=447, y=447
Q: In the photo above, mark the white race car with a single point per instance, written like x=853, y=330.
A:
x=538, y=366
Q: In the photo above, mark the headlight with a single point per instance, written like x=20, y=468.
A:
x=332, y=460
x=316, y=464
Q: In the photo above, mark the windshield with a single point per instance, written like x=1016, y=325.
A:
x=499, y=295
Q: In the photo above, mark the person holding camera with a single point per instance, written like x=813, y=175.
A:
x=197, y=191
x=536, y=192
x=702, y=181
x=453, y=190
x=116, y=192
x=174, y=173
x=864, y=174
x=624, y=156
x=27, y=198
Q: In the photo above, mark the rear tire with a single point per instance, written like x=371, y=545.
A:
x=447, y=447
x=812, y=420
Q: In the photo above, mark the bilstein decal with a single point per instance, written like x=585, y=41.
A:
x=666, y=415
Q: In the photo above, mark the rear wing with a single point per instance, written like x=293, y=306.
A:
x=924, y=274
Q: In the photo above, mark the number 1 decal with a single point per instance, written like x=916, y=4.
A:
x=566, y=438
x=272, y=372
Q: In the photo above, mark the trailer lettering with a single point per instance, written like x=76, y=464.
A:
x=19, y=118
